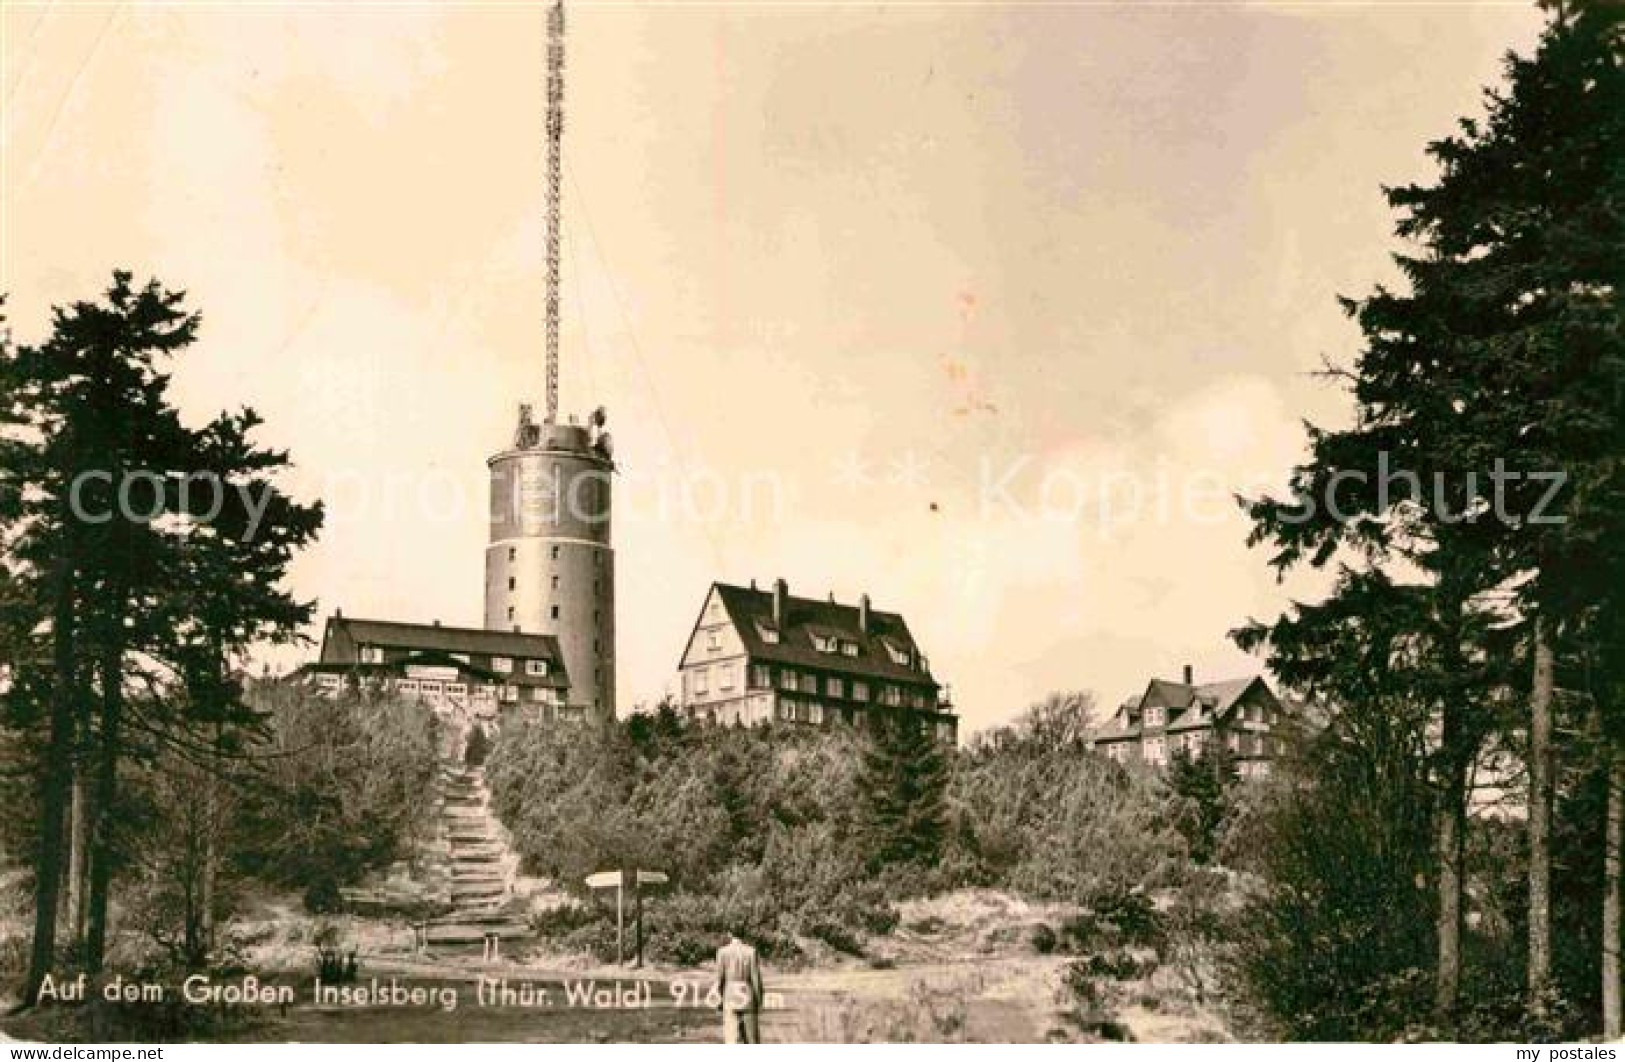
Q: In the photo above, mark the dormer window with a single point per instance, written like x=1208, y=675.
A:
x=537, y=668
x=502, y=665
x=372, y=654
x=898, y=654
x=770, y=635
x=824, y=643
x=1154, y=717
x=849, y=648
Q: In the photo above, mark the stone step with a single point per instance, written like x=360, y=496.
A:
x=472, y=889
x=475, y=895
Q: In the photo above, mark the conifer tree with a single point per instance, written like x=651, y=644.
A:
x=904, y=778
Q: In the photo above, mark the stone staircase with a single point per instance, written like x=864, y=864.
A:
x=480, y=864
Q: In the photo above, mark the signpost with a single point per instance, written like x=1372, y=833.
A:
x=619, y=881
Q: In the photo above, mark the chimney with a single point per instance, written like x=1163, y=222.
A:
x=437, y=623
x=781, y=602
x=1190, y=676
x=863, y=613
x=338, y=613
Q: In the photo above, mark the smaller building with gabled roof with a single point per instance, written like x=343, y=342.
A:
x=757, y=656
x=1171, y=717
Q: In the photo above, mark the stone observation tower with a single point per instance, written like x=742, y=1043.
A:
x=549, y=566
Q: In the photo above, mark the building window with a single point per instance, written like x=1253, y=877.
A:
x=760, y=677
x=501, y=664
x=725, y=677
x=555, y=582
x=432, y=689
x=860, y=691
x=407, y=685
x=1155, y=717
x=554, y=612
x=713, y=641
x=787, y=679
x=1156, y=750
x=891, y=696
x=702, y=681
x=536, y=667
x=510, y=693
x=456, y=689
x=554, y=553
x=510, y=612
x=834, y=687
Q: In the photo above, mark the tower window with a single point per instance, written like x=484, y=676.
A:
x=510, y=582
x=513, y=554
x=555, y=552
x=510, y=612
x=555, y=582
x=555, y=611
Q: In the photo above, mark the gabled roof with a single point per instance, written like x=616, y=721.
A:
x=751, y=609
x=1218, y=697
x=343, y=637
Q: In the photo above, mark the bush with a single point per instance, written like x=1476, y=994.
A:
x=1043, y=939
x=1053, y=821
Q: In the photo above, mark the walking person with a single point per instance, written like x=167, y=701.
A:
x=739, y=992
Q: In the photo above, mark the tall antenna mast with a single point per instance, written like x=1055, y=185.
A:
x=555, y=163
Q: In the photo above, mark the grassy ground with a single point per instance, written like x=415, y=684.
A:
x=959, y=968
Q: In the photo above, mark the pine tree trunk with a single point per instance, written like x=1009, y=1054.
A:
x=1540, y=814
x=75, y=898
x=108, y=752
x=211, y=846
x=1613, y=1026
x=55, y=782
x=1452, y=832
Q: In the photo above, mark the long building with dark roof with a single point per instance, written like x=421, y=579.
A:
x=477, y=671
x=756, y=656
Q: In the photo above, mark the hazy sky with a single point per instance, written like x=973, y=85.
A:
x=879, y=298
